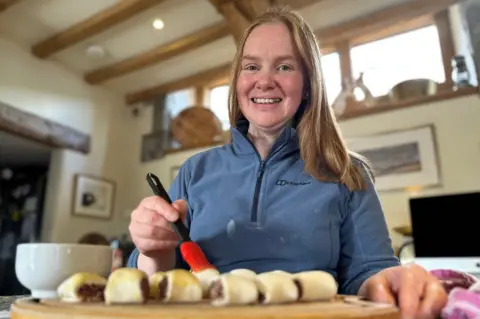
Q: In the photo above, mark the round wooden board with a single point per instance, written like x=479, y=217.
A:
x=196, y=126
x=342, y=307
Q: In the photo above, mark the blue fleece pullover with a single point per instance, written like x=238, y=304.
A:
x=270, y=215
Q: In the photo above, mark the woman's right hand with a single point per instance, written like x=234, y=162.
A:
x=149, y=227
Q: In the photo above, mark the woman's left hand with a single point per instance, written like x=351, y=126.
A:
x=414, y=290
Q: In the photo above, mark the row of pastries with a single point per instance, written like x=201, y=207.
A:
x=237, y=287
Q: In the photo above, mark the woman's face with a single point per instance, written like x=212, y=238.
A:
x=270, y=83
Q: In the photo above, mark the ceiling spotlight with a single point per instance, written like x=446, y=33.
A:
x=95, y=51
x=158, y=24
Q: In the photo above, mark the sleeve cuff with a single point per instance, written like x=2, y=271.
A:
x=133, y=258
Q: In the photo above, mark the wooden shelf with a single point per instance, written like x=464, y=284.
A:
x=388, y=107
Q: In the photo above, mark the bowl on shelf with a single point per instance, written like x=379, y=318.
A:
x=42, y=267
x=411, y=89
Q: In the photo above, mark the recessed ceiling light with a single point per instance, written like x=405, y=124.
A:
x=158, y=24
x=95, y=51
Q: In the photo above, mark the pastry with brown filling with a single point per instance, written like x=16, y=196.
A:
x=247, y=273
x=179, y=285
x=276, y=287
x=127, y=286
x=155, y=281
x=315, y=285
x=82, y=287
x=231, y=289
x=206, y=277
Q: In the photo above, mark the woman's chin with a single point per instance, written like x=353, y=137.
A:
x=268, y=123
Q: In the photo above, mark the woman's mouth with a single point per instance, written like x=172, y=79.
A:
x=266, y=100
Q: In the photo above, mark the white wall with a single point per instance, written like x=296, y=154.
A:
x=50, y=91
x=458, y=145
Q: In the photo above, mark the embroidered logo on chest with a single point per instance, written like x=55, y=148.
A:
x=283, y=182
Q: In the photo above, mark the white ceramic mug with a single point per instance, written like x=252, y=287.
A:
x=42, y=267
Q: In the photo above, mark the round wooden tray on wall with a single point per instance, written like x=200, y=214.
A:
x=196, y=126
x=340, y=308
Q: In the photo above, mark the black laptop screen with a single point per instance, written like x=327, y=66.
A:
x=446, y=226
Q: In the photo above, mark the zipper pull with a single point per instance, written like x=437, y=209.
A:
x=262, y=166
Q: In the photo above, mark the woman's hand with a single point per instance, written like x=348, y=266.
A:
x=416, y=292
x=149, y=227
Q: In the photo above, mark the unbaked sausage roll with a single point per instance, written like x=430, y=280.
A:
x=180, y=285
x=82, y=287
x=315, y=285
x=281, y=272
x=155, y=282
x=231, y=289
x=276, y=287
x=127, y=286
x=206, y=277
x=247, y=273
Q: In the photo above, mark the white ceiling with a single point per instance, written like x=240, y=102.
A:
x=31, y=21
x=17, y=151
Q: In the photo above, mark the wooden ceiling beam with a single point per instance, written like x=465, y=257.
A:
x=5, y=4
x=381, y=19
x=199, y=79
x=236, y=20
x=259, y=6
x=189, y=42
x=95, y=24
x=161, y=53
x=296, y=4
x=253, y=8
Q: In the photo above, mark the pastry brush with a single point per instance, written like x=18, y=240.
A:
x=190, y=250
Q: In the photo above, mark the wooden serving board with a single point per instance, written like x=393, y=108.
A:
x=339, y=308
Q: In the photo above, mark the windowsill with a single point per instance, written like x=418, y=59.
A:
x=388, y=107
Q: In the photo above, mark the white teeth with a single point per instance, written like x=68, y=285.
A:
x=266, y=101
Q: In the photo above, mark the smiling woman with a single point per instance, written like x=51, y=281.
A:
x=298, y=198
x=270, y=81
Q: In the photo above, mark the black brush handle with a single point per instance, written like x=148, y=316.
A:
x=159, y=190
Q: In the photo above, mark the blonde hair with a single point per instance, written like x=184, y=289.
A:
x=322, y=147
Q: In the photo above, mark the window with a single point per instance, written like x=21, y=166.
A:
x=332, y=75
x=219, y=105
x=410, y=55
x=177, y=101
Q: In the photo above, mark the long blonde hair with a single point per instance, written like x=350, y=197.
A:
x=322, y=147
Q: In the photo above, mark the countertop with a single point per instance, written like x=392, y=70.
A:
x=5, y=302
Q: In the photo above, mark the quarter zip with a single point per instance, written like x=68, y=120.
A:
x=258, y=184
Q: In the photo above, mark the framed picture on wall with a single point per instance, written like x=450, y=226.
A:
x=93, y=196
x=401, y=159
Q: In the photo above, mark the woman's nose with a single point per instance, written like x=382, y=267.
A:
x=265, y=81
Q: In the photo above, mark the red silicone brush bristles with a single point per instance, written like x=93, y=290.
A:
x=194, y=256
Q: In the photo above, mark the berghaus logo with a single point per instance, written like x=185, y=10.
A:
x=282, y=182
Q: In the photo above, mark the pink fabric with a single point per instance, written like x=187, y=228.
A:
x=463, y=301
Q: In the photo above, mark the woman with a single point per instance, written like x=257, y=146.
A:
x=285, y=194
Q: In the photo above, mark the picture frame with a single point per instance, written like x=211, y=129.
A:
x=93, y=196
x=401, y=159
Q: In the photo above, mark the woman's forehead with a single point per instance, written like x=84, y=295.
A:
x=273, y=39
